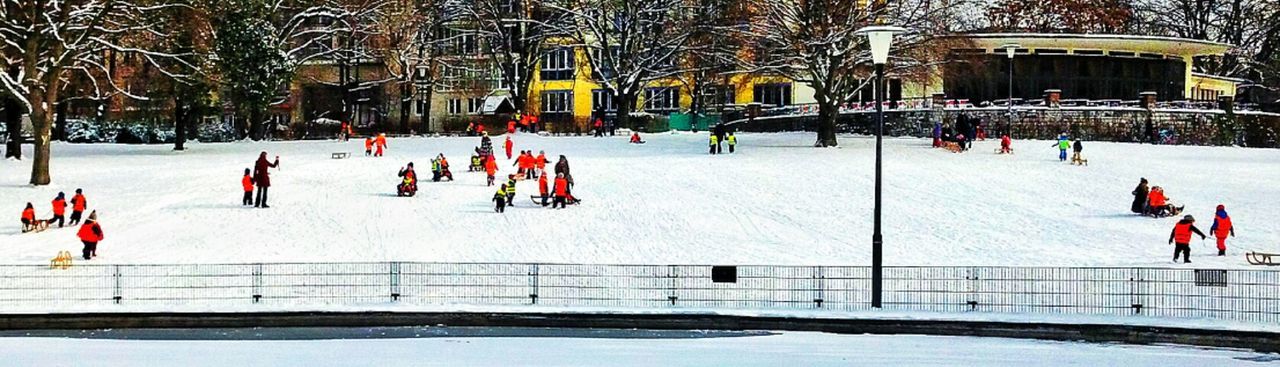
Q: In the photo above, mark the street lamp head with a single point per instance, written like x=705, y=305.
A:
x=1010, y=49
x=880, y=37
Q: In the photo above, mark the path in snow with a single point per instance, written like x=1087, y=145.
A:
x=777, y=201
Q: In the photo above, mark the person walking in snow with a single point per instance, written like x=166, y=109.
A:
x=543, y=189
x=90, y=234
x=368, y=146
x=491, y=168
x=1006, y=144
x=511, y=190
x=59, y=209
x=540, y=164
x=1180, y=237
x=263, y=179
x=561, y=191
x=1140, y=194
x=1063, y=144
x=937, y=134
x=1221, y=228
x=486, y=145
x=500, y=199
x=78, y=205
x=508, y=145
x=733, y=142
x=714, y=143
x=246, y=183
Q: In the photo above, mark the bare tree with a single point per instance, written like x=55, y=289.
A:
x=407, y=38
x=631, y=43
x=42, y=43
x=815, y=42
x=515, y=35
x=1072, y=16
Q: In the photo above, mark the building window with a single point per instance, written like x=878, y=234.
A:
x=558, y=64
x=557, y=101
x=664, y=99
x=455, y=106
x=773, y=94
x=602, y=100
x=716, y=96
x=474, y=104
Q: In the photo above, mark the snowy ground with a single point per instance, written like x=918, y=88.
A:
x=807, y=349
x=777, y=201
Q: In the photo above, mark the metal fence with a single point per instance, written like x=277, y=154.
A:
x=1245, y=295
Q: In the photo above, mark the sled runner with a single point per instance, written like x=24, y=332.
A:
x=38, y=226
x=537, y=199
x=340, y=155
x=1258, y=258
x=1080, y=162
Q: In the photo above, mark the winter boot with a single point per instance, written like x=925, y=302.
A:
x=1222, y=252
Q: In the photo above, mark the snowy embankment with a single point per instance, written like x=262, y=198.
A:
x=788, y=348
x=777, y=201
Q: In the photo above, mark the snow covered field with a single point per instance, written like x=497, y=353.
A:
x=777, y=201
x=806, y=349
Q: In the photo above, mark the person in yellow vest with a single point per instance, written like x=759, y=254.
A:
x=511, y=190
x=500, y=199
x=714, y=142
x=1181, y=238
x=733, y=140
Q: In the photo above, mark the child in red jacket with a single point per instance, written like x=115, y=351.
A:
x=247, y=183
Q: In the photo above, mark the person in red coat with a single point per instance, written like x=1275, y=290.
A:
x=511, y=126
x=1221, y=228
x=1180, y=237
x=508, y=145
x=59, y=209
x=562, y=191
x=246, y=183
x=263, y=179
x=78, y=204
x=542, y=189
x=90, y=234
x=29, y=218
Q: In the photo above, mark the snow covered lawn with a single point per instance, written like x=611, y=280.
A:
x=785, y=349
x=777, y=201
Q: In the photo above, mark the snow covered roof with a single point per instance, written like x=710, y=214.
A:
x=497, y=104
x=1111, y=42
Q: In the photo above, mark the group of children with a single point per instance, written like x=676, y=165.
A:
x=409, y=178
x=1064, y=143
x=1152, y=201
x=90, y=232
x=1180, y=237
x=715, y=142
x=375, y=142
x=506, y=194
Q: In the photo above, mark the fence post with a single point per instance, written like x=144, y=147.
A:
x=118, y=294
x=672, y=273
x=971, y=285
x=1135, y=292
x=395, y=280
x=820, y=279
x=533, y=284
x=257, y=282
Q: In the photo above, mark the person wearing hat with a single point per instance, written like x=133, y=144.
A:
x=1181, y=238
x=90, y=233
x=1221, y=228
x=1139, y=205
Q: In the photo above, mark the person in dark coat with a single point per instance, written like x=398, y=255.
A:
x=1140, y=197
x=263, y=179
x=562, y=168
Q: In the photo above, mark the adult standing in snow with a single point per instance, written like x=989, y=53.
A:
x=263, y=179
x=562, y=168
x=486, y=145
x=1221, y=228
x=90, y=234
x=1181, y=238
x=1140, y=197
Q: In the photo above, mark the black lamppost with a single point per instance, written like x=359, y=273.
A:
x=1010, y=49
x=880, y=38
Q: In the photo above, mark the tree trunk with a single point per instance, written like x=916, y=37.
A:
x=180, y=113
x=826, y=125
x=60, y=129
x=255, y=124
x=41, y=124
x=13, y=124
x=625, y=104
x=426, y=112
x=405, y=104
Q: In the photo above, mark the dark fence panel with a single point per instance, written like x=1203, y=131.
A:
x=1244, y=295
